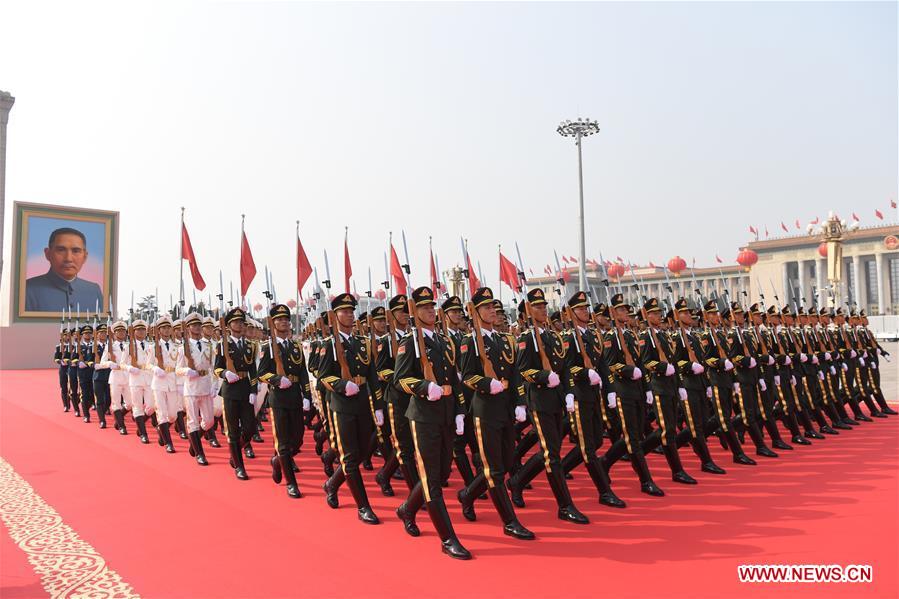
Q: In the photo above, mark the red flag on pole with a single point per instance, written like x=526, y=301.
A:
x=651, y=265
x=508, y=273
x=247, y=266
x=855, y=217
x=547, y=270
x=816, y=221
x=304, y=269
x=753, y=230
x=878, y=214
x=564, y=259
x=473, y=282
x=892, y=203
x=347, y=267
x=766, y=231
x=187, y=253
x=573, y=259
x=718, y=259
x=784, y=227
x=797, y=223
x=396, y=271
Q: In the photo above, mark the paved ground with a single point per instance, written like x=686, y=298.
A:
x=889, y=372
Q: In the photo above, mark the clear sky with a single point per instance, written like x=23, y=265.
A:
x=440, y=119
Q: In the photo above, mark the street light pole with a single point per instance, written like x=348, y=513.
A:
x=579, y=129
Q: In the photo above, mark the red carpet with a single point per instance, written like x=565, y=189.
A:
x=173, y=529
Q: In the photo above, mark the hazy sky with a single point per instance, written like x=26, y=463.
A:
x=440, y=119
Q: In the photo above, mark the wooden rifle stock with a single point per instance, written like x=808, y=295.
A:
x=477, y=335
x=585, y=356
x=544, y=359
x=276, y=349
x=226, y=345
x=338, y=346
x=188, y=353
x=132, y=347
x=427, y=369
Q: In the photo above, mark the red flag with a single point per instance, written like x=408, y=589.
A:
x=548, y=270
x=531, y=270
x=797, y=223
x=434, y=278
x=396, y=270
x=247, y=266
x=766, y=231
x=718, y=259
x=347, y=266
x=892, y=203
x=304, y=269
x=473, y=282
x=815, y=222
x=651, y=265
x=855, y=217
x=564, y=259
x=187, y=253
x=753, y=230
x=508, y=273
x=572, y=259
x=619, y=258
x=878, y=214
x=784, y=227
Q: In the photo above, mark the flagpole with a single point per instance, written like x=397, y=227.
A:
x=298, y=278
x=181, y=258
x=243, y=298
x=500, y=249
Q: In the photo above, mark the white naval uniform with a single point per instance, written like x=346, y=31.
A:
x=139, y=379
x=116, y=352
x=165, y=384
x=197, y=389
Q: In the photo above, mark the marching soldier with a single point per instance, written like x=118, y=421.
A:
x=426, y=369
x=381, y=438
x=195, y=361
x=115, y=356
x=211, y=334
x=164, y=383
x=72, y=371
x=61, y=357
x=541, y=357
x=622, y=354
x=763, y=339
x=347, y=372
x=239, y=387
x=138, y=378
x=869, y=341
x=785, y=380
x=289, y=395
x=86, y=370
x=497, y=403
x=101, y=375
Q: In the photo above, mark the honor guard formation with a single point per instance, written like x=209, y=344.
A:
x=422, y=383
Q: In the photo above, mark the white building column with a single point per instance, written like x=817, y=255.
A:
x=785, y=283
x=820, y=278
x=881, y=284
x=857, y=286
x=802, y=264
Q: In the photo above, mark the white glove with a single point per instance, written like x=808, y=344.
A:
x=697, y=368
x=520, y=414
x=231, y=377
x=777, y=380
x=612, y=400
x=252, y=399
x=460, y=424
x=728, y=365
x=814, y=359
x=351, y=389
x=434, y=392
x=708, y=392
x=379, y=417
x=752, y=362
x=569, y=402
x=682, y=393
x=792, y=380
x=459, y=375
x=192, y=374
x=865, y=354
x=669, y=370
x=827, y=356
x=788, y=361
x=158, y=371
x=820, y=376
x=552, y=380
x=114, y=366
x=770, y=360
x=649, y=398
x=861, y=361
x=803, y=358
x=594, y=377
x=873, y=365
x=736, y=387
x=495, y=387
x=134, y=370
x=637, y=374
x=763, y=385
x=307, y=405
x=886, y=357
x=833, y=371
x=285, y=383
x=844, y=367
x=852, y=353
x=82, y=365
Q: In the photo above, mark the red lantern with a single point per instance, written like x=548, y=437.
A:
x=822, y=249
x=380, y=294
x=747, y=258
x=257, y=307
x=677, y=265
x=616, y=270
x=564, y=275
x=291, y=304
x=310, y=301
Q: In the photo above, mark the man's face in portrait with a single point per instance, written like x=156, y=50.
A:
x=66, y=255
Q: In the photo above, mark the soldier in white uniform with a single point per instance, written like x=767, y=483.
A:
x=209, y=336
x=197, y=385
x=114, y=356
x=164, y=382
x=181, y=416
x=138, y=367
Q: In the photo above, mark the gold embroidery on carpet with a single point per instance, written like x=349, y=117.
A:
x=68, y=566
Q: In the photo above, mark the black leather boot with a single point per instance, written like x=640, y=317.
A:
x=647, y=485
x=701, y=449
x=141, y=422
x=86, y=410
x=567, y=510
x=601, y=480
x=276, y=469
x=467, y=495
x=407, y=510
x=736, y=448
x=119, y=418
x=290, y=477
x=236, y=460
x=212, y=439
x=521, y=479
x=357, y=488
x=511, y=526
x=678, y=474
x=450, y=544
x=331, y=487
x=165, y=430
x=756, y=435
x=196, y=448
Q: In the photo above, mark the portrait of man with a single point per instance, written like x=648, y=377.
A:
x=60, y=288
x=66, y=260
